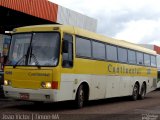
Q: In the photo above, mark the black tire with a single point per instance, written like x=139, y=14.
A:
x=80, y=97
x=135, y=92
x=143, y=91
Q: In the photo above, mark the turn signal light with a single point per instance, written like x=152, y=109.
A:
x=54, y=84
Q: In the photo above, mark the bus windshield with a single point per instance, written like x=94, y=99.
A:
x=32, y=49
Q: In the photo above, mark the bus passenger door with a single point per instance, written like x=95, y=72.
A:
x=67, y=76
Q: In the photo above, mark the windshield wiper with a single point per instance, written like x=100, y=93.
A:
x=36, y=61
x=24, y=56
x=35, y=58
x=20, y=60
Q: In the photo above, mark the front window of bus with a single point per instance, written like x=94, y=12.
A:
x=38, y=49
x=18, y=50
x=44, y=49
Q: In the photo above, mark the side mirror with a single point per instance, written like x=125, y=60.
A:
x=65, y=46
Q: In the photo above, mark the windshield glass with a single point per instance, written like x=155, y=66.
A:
x=40, y=49
x=19, y=46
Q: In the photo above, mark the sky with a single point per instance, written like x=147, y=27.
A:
x=136, y=21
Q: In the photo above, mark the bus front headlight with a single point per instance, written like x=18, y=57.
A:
x=46, y=85
x=7, y=82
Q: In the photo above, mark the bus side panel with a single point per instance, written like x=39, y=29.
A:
x=70, y=83
x=112, y=86
x=100, y=86
x=66, y=87
x=103, y=79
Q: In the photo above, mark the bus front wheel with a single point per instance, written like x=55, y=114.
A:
x=80, y=97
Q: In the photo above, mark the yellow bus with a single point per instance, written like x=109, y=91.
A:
x=50, y=63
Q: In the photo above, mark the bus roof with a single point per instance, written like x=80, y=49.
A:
x=84, y=33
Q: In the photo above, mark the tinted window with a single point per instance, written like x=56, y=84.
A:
x=153, y=61
x=122, y=55
x=67, y=59
x=139, y=58
x=147, y=60
x=111, y=52
x=131, y=56
x=83, y=47
x=98, y=50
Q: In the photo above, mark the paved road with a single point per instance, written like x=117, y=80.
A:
x=109, y=109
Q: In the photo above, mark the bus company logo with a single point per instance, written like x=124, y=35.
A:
x=8, y=72
x=38, y=74
x=123, y=70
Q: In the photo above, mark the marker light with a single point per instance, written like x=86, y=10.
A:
x=56, y=28
x=8, y=32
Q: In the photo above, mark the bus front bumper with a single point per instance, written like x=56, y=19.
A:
x=46, y=95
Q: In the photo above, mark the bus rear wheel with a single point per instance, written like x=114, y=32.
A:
x=135, y=92
x=143, y=91
x=80, y=97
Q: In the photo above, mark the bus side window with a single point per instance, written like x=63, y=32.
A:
x=67, y=51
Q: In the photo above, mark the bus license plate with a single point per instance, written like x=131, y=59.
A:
x=24, y=96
